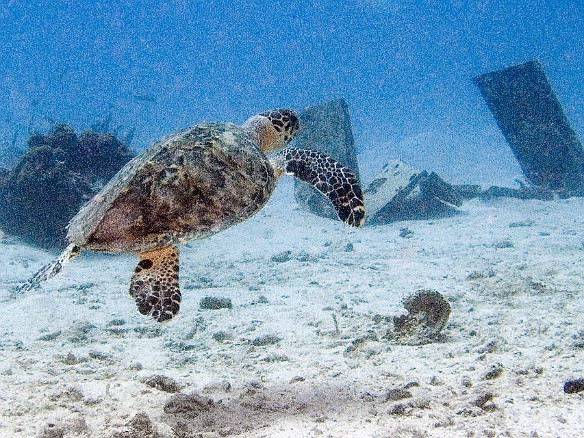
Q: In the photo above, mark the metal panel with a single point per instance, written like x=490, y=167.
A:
x=535, y=126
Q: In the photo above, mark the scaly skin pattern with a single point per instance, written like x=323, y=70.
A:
x=332, y=179
x=190, y=186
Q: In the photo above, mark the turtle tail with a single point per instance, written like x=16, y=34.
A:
x=337, y=182
x=51, y=269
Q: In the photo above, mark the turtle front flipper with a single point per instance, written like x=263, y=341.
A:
x=155, y=285
x=336, y=182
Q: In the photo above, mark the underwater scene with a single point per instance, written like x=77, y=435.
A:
x=360, y=218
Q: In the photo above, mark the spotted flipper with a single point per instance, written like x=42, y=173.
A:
x=154, y=284
x=51, y=269
x=336, y=182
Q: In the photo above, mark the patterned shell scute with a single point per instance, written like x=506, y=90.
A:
x=189, y=186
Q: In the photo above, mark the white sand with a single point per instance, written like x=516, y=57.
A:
x=74, y=352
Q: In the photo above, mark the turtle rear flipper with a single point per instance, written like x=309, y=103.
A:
x=332, y=179
x=51, y=269
x=155, y=285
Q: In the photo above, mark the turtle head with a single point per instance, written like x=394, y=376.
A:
x=273, y=129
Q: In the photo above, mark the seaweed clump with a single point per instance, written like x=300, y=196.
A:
x=56, y=175
x=428, y=313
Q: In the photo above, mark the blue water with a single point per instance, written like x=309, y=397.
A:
x=512, y=271
x=405, y=68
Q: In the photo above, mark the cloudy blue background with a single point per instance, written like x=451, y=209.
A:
x=405, y=68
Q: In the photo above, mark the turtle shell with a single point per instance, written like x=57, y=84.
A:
x=193, y=184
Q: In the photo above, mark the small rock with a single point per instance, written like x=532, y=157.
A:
x=489, y=347
x=51, y=430
x=397, y=409
x=50, y=336
x=71, y=359
x=223, y=386
x=261, y=300
x=215, y=303
x=276, y=358
x=70, y=394
x=477, y=275
x=190, y=404
x=116, y=322
x=222, y=336
x=367, y=396
x=282, y=257
x=264, y=340
x=297, y=379
x=73, y=425
x=136, y=366
x=140, y=426
x=574, y=386
x=504, y=244
x=482, y=399
x=435, y=381
x=397, y=394
x=162, y=383
x=495, y=372
x=100, y=355
x=525, y=223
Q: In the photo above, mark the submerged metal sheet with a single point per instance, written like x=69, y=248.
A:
x=535, y=126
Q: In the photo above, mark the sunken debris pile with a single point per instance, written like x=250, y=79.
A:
x=56, y=175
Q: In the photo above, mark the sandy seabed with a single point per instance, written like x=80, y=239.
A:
x=303, y=350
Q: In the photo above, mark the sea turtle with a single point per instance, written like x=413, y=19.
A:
x=191, y=185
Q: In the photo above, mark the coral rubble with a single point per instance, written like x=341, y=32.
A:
x=57, y=173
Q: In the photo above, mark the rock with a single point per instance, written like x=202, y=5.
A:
x=215, y=303
x=483, y=399
x=493, y=373
x=428, y=313
x=327, y=129
x=222, y=336
x=264, y=340
x=40, y=196
x=162, y=383
x=282, y=257
x=397, y=394
x=57, y=174
x=475, y=404
x=51, y=430
x=140, y=426
x=74, y=425
x=574, y=386
x=188, y=404
x=274, y=358
x=297, y=379
x=398, y=409
x=100, y=156
x=223, y=386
